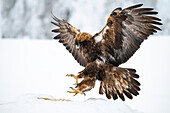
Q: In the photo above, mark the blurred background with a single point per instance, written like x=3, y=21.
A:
x=32, y=63
x=31, y=18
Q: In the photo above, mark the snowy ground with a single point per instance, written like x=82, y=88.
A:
x=30, y=104
x=35, y=68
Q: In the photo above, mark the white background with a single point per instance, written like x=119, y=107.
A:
x=39, y=67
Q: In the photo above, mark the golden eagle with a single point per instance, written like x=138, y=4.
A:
x=102, y=53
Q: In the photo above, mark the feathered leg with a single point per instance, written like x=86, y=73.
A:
x=85, y=85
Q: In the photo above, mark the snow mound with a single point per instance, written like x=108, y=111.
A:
x=29, y=103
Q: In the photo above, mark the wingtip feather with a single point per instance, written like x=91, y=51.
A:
x=133, y=7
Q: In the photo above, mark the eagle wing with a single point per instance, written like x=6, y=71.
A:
x=125, y=30
x=66, y=36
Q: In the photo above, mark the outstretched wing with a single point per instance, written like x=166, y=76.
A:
x=125, y=30
x=66, y=36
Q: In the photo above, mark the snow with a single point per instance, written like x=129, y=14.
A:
x=37, y=68
x=30, y=104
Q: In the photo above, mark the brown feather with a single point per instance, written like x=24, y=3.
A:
x=55, y=24
x=154, y=27
x=134, y=75
x=127, y=93
x=142, y=10
x=136, y=87
x=133, y=91
x=101, y=90
x=135, y=82
x=121, y=95
x=56, y=30
x=107, y=93
x=149, y=18
x=150, y=13
x=133, y=7
x=114, y=95
x=151, y=22
x=57, y=36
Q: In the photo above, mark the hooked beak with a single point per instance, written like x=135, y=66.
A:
x=78, y=46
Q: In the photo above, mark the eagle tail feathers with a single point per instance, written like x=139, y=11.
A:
x=119, y=82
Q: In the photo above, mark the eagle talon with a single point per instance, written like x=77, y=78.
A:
x=74, y=76
x=70, y=75
x=76, y=91
x=84, y=94
x=76, y=85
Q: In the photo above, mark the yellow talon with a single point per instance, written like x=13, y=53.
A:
x=72, y=75
x=76, y=91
